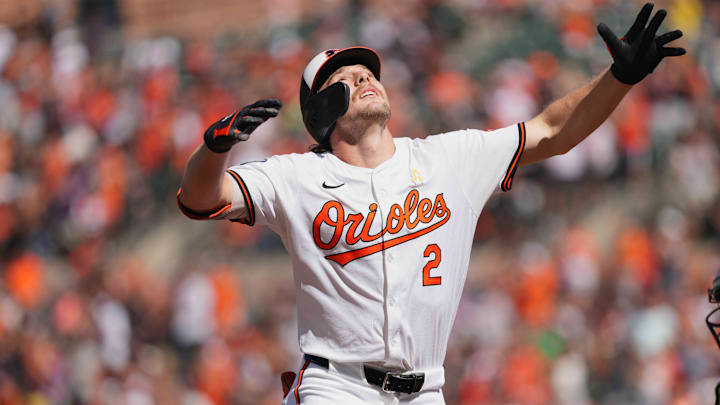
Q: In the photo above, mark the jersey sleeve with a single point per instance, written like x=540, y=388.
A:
x=484, y=160
x=221, y=213
x=260, y=187
x=261, y=191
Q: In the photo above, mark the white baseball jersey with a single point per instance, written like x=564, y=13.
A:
x=379, y=255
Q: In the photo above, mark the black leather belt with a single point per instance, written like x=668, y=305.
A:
x=389, y=381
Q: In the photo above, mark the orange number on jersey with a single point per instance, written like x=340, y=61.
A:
x=435, y=250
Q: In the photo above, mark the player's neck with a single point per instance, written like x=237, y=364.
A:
x=369, y=149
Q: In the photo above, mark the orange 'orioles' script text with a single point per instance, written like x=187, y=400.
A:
x=413, y=212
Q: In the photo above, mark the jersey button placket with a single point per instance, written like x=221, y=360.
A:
x=394, y=313
x=393, y=316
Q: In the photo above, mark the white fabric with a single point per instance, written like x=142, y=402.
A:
x=344, y=384
x=375, y=308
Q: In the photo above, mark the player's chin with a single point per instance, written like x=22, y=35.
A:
x=375, y=105
x=379, y=111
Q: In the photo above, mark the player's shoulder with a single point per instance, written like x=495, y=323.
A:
x=435, y=140
x=308, y=158
x=284, y=160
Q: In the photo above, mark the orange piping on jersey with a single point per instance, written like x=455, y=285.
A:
x=199, y=215
x=507, y=182
x=246, y=196
x=300, y=376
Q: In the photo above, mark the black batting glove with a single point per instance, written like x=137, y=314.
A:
x=638, y=53
x=222, y=135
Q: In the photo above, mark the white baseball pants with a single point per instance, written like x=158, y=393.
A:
x=343, y=383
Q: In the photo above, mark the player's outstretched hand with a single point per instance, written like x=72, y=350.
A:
x=638, y=53
x=222, y=135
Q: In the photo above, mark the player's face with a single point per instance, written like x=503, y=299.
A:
x=368, y=99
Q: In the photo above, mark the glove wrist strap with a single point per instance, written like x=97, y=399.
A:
x=213, y=146
x=624, y=77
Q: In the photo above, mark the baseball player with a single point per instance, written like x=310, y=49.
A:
x=379, y=228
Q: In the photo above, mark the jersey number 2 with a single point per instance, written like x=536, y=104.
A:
x=434, y=250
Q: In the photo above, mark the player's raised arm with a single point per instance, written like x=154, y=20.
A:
x=205, y=187
x=569, y=120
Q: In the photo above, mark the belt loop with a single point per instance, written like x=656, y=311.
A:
x=385, y=383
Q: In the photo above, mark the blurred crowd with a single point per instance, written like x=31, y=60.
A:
x=588, y=280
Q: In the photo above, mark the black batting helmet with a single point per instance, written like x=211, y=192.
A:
x=321, y=110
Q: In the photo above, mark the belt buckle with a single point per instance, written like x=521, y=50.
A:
x=387, y=379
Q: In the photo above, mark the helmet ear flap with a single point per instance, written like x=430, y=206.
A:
x=321, y=110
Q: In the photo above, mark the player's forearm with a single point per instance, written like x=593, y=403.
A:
x=203, y=184
x=575, y=116
x=586, y=109
x=205, y=187
x=571, y=119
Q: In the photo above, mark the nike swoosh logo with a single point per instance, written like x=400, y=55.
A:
x=326, y=186
x=346, y=257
